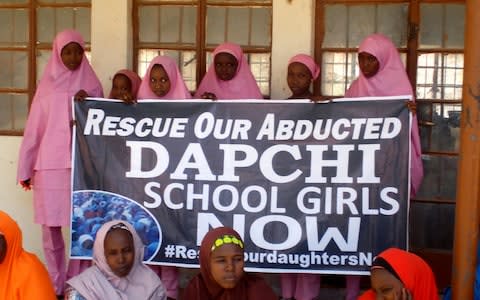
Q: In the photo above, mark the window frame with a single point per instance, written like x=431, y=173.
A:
x=201, y=48
x=31, y=47
x=412, y=51
x=427, y=210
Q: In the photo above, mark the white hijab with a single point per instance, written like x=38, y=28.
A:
x=99, y=282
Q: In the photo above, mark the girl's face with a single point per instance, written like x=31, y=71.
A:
x=385, y=285
x=299, y=78
x=225, y=66
x=72, y=55
x=119, y=251
x=368, y=64
x=121, y=87
x=159, y=81
x=226, y=265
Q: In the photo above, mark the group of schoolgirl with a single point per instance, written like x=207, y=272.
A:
x=45, y=153
x=118, y=271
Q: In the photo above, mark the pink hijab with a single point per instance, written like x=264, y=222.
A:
x=48, y=124
x=242, y=86
x=99, y=282
x=135, y=80
x=391, y=80
x=178, y=89
x=308, y=61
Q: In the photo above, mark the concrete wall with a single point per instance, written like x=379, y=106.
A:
x=112, y=50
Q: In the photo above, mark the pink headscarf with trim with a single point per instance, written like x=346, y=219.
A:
x=242, y=86
x=48, y=124
x=99, y=282
x=391, y=80
x=178, y=89
x=308, y=61
x=135, y=80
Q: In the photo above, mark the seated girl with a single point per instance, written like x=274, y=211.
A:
x=118, y=271
x=398, y=274
x=22, y=275
x=221, y=271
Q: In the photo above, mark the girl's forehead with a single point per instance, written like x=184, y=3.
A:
x=118, y=232
x=225, y=56
x=298, y=66
x=226, y=239
x=227, y=250
x=121, y=78
x=158, y=69
x=72, y=45
x=364, y=53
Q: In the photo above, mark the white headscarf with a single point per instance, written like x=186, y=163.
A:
x=99, y=282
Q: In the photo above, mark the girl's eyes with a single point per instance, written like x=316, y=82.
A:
x=127, y=250
x=162, y=80
x=111, y=253
x=227, y=65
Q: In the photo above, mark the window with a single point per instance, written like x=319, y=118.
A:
x=439, y=90
x=429, y=36
x=24, y=54
x=189, y=31
x=14, y=58
x=345, y=27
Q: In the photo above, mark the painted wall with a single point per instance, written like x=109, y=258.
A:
x=112, y=50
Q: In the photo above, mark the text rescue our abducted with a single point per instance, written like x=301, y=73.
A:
x=336, y=199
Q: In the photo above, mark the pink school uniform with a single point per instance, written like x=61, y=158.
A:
x=242, y=86
x=301, y=286
x=391, y=80
x=178, y=90
x=45, y=152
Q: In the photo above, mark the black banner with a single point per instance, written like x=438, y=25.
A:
x=318, y=188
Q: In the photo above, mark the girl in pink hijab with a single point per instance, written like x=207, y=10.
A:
x=163, y=80
x=390, y=79
x=383, y=74
x=125, y=85
x=302, y=71
x=229, y=76
x=118, y=272
x=44, y=161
